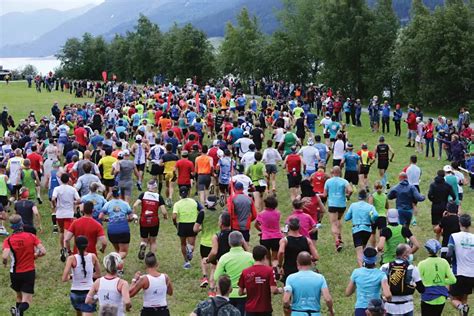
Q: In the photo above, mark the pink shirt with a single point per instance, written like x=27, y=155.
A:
x=306, y=221
x=270, y=224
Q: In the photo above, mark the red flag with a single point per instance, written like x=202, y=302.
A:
x=104, y=76
x=198, y=102
x=170, y=96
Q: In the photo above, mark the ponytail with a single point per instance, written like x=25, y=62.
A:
x=83, y=262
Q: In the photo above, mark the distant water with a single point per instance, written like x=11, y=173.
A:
x=43, y=64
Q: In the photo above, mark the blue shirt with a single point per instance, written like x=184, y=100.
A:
x=191, y=116
x=310, y=119
x=236, y=133
x=95, y=140
x=386, y=111
x=368, y=285
x=362, y=215
x=336, y=189
x=305, y=288
x=333, y=128
x=118, y=212
x=350, y=160
x=322, y=148
x=98, y=201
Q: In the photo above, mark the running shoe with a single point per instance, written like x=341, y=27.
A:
x=339, y=245
x=55, y=229
x=120, y=273
x=40, y=201
x=187, y=265
x=204, y=282
x=388, y=186
x=141, y=252
x=465, y=310
x=211, y=189
x=189, y=252
x=139, y=187
x=14, y=311
x=168, y=202
x=222, y=200
x=63, y=254
x=413, y=221
x=3, y=231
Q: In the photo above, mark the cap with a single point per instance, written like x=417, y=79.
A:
x=381, y=139
x=238, y=186
x=183, y=190
x=293, y=148
x=216, y=142
x=126, y=152
x=364, y=146
x=392, y=215
x=376, y=305
x=349, y=145
x=240, y=168
x=24, y=192
x=370, y=255
x=447, y=168
x=152, y=185
x=138, y=137
x=310, y=142
x=246, y=133
x=433, y=246
x=184, y=153
x=452, y=207
x=362, y=195
x=120, y=154
x=211, y=201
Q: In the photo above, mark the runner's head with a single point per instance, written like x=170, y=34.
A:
x=381, y=139
x=317, y=138
x=413, y=159
x=236, y=239
x=81, y=242
x=392, y=216
x=303, y=259
x=224, y=285
x=378, y=187
x=113, y=263
x=364, y=146
x=115, y=192
x=150, y=260
x=183, y=192
x=403, y=251
x=211, y=202
x=16, y=223
x=224, y=220
x=350, y=147
x=452, y=207
x=433, y=247
x=238, y=186
x=465, y=220
x=294, y=224
x=259, y=253
x=336, y=171
x=27, y=163
x=65, y=178
x=297, y=204
x=152, y=186
x=402, y=176
x=88, y=208
x=375, y=307
x=369, y=257
x=24, y=193
x=362, y=196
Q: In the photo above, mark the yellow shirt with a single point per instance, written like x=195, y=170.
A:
x=107, y=163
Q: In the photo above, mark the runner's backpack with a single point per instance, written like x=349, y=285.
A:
x=399, y=278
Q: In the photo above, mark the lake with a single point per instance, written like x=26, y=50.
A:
x=43, y=64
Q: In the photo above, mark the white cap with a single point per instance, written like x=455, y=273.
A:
x=138, y=137
x=215, y=143
x=392, y=215
x=447, y=168
x=246, y=133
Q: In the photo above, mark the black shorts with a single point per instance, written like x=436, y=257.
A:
x=23, y=282
x=140, y=167
x=463, y=286
x=4, y=200
x=271, y=244
x=245, y=233
x=436, y=217
x=204, y=181
x=339, y=210
x=326, y=135
x=313, y=236
x=361, y=238
x=108, y=182
x=271, y=169
x=352, y=177
x=15, y=189
x=186, y=230
x=382, y=164
x=460, y=196
x=223, y=188
x=204, y=251
x=294, y=181
x=336, y=162
x=332, y=140
x=121, y=238
x=156, y=169
x=260, y=188
x=379, y=224
x=364, y=169
x=146, y=232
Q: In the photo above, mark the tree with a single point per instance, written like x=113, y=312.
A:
x=29, y=70
x=240, y=51
x=382, y=34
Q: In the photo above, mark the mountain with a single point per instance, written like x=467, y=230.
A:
x=22, y=27
x=119, y=16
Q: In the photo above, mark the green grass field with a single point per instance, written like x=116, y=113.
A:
x=52, y=296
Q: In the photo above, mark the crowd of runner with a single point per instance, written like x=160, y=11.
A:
x=221, y=151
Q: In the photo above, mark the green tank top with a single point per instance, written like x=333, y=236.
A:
x=380, y=200
x=392, y=244
x=29, y=182
x=3, y=185
x=210, y=227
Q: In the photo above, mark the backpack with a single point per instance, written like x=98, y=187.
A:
x=399, y=278
x=216, y=308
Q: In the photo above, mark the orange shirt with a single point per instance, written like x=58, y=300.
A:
x=165, y=124
x=203, y=164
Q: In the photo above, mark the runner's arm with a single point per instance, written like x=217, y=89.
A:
x=40, y=251
x=312, y=250
x=67, y=269
x=126, y=295
x=37, y=218
x=5, y=255
x=381, y=244
x=136, y=285
x=169, y=285
x=386, y=290
x=92, y=292
x=287, y=303
x=350, y=288
x=415, y=245
x=328, y=299
x=281, y=252
x=214, y=249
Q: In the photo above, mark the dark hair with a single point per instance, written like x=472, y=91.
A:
x=259, y=253
x=465, y=220
x=440, y=173
x=204, y=149
x=64, y=178
x=317, y=138
x=225, y=219
x=304, y=258
x=34, y=148
x=413, y=158
x=269, y=143
x=224, y=284
x=258, y=156
x=271, y=202
x=81, y=243
x=87, y=167
x=307, y=189
x=150, y=260
x=108, y=150
x=88, y=207
x=294, y=224
x=169, y=147
x=297, y=203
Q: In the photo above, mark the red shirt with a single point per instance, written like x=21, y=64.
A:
x=177, y=132
x=23, y=246
x=196, y=135
x=158, y=115
x=213, y=154
x=411, y=121
x=89, y=227
x=318, y=181
x=189, y=146
x=311, y=207
x=185, y=167
x=36, y=161
x=81, y=136
x=257, y=280
x=293, y=161
x=151, y=203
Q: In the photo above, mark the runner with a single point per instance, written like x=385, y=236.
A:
x=384, y=154
x=257, y=174
x=294, y=165
x=185, y=213
x=366, y=161
x=218, y=304
x=271, y=158
x=106, y=163
x=155, y=285
x=268, y=223
x=14, y=172
x=310, y=157
x=350, y=161
x=448, y=225
x=168, y=161
x=29, y=213
x=379, y=200
x=242, y=211
x=140, y=152
x=337, y=191
x=23, y=249
x=82, y=268
x=439, y=194
x=203, y=170
x=224, y=169
x=150, y=202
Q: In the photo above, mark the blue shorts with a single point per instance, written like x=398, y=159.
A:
x=62, y=140
x=308, y=173
x=78, y=299
x=312, y=128
x=404, y=217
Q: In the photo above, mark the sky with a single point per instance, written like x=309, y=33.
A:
x=31, y=5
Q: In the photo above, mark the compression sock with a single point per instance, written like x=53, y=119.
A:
x=53, y=219
x=18, y=304
x=23, y=307
x=160, y=186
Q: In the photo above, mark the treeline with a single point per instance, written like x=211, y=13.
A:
x=343, y=44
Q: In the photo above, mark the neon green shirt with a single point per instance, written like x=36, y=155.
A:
x=297, y=112
x=435, y=271
x=256, y=172
x=210, y=227
x=187, y=210
x=3, y=185
x=232, y=264
x=380, y=200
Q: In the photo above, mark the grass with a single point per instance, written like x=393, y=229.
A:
x=52, y=296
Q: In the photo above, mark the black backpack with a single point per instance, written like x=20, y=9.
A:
x=399, y=278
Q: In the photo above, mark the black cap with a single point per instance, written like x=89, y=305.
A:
x=183, y=190
x=115, y=191
x=452, y=207
x=376, y=305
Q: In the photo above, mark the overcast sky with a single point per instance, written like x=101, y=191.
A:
x=31, y=5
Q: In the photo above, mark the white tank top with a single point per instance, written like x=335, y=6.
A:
x=151, y=138
x=109, y=295
x=155, y=295
x=51, y=153
x=79, y=282
x=139, y=155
